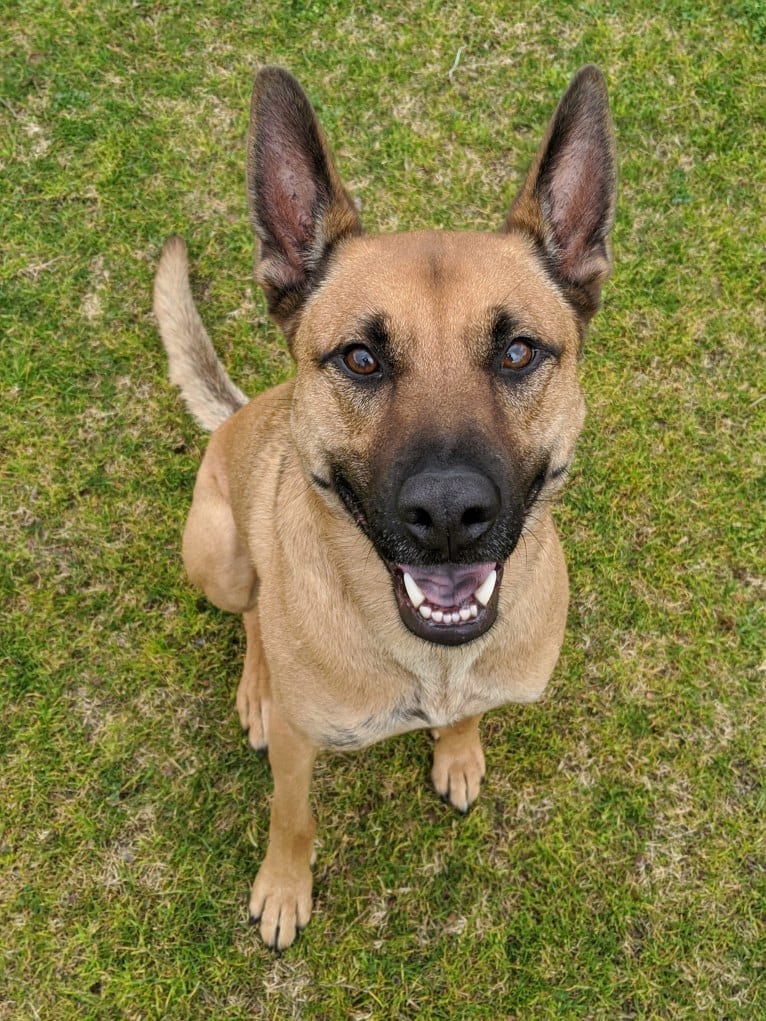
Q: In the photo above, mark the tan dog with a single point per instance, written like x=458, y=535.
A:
x=382, y=520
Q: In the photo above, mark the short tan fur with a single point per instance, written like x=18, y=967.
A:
x=382, y=521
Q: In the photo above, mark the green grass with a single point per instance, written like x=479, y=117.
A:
x=614, y=866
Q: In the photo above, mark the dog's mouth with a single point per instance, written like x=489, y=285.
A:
x=450, y=603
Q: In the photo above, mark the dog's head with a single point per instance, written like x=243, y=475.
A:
x=436, y=398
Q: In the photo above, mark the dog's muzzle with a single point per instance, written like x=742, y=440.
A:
x=444, y=544
x=446, y=512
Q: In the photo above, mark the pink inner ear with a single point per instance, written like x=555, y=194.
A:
x=578, y=190
x=288, y=200
x=577, y=208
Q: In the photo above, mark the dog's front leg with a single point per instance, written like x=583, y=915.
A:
x=458, y=766
x=281, y=897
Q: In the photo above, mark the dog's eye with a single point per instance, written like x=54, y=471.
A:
x=361, y=361
x=519, y=355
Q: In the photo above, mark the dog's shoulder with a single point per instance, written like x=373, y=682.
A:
x=251, y=446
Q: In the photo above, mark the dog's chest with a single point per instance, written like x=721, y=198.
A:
x=433, y=701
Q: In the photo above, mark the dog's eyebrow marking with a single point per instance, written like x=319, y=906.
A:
x=371, y=330
x=505, y=327
x=374, y=331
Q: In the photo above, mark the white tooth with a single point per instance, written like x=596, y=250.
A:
x=474, y=610
x=438, y=616
x=455, y=618
x=465, y=614
x=484, y=592
x=416, y=596
x=425, y=611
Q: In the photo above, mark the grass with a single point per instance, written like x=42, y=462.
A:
x=614, y=866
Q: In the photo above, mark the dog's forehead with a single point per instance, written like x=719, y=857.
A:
x=439, y=283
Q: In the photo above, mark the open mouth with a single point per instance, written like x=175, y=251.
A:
x=449, y=604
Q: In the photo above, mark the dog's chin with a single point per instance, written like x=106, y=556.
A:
x=448, y=605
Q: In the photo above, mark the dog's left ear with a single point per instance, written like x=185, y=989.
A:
x=566, y=204
x=299, y=208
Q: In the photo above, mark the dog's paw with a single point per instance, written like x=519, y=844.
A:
x=253, y=712
x=457, y=772
x=282, y=906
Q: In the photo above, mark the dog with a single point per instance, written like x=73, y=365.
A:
x=382, y=520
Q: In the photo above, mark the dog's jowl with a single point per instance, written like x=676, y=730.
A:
x=382, y=520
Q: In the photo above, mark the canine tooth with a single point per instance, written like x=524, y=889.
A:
x=425, y=611
x=416, y=596
x=465, y=614
x=484, y=592
x=438, y=616
x=474, y=610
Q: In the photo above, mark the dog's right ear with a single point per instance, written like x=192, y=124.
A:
x=299, y=208
x=566, y=204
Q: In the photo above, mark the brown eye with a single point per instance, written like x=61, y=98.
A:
x=518, y=356
x=361, y=361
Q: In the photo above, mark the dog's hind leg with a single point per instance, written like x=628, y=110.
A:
x=253, y=691
x=217, y=561
x=458, y=766
x=215, y=557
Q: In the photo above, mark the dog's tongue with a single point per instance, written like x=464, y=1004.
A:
x=449, y=584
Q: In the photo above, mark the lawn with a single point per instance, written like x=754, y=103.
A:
x=615, y=864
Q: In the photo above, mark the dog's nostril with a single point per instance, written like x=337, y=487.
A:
x=419, y=517
x=477, y=516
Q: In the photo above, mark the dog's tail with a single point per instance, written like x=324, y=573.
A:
x=205, y=386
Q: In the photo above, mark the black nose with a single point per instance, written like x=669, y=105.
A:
x=447, y=510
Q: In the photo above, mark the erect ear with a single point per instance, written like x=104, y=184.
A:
x=299, y=208
x=566, y=204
